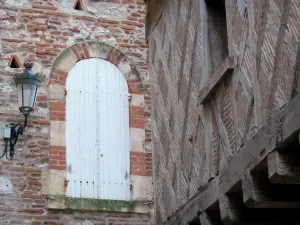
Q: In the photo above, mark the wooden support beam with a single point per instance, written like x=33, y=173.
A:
x=284, y=167
x=259, y=192
x=210, y=218
x=282, y=126
x=201, y=201
x=254, y=193
x=234, y=212
x=260, y=223
x=195, y=221
x=222, y=71
x=205, y=219
x=155, y=10
x=230, y=208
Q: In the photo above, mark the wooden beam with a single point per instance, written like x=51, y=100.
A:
x=230, y=205
x=284, y=167
x=205, y=219
x=210, y=218
x=258, y=223
x=219, y=75
x=281, y=127
x=155, y=9
x=202, y=200
x=258, y=192
x=253, y=192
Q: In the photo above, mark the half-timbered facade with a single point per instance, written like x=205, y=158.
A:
x=226, y=110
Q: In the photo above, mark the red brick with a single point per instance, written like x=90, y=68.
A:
x=18, y=168
x=46, y=53
x=41, y=98
x=53, y=162
x=59, y=72
x=58, y=148
x=75, y=53
x=59, y=114
x=35, y=182
x=50, y=223
x=13, y=40
x=43, y=7
x=85, y=50
x=62, y=162
x=33, y=210
x=59, y=45
x=57, y=14
x=57, y=106
x=32, y=169
x=57, y=82
x=31, y=196
x=128, y=27
x=58, y=167
x=108, y=21
x=58, y=157
x=132, y=18
x=42, y=43
x=137, y=154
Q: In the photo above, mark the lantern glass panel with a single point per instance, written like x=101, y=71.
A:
x=26, y=95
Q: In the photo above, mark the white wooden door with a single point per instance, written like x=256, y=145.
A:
x=97, y=131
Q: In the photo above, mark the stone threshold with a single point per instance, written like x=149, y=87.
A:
x=83, y=204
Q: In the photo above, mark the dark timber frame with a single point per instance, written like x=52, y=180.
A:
x=272, y=139
x=258, y=183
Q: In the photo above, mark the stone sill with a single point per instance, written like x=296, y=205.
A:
x=82, y=204
x=225, y=69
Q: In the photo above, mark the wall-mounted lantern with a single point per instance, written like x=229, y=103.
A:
x=27, y=84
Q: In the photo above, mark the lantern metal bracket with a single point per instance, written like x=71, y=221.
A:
x=12, y=131
x=25, y=121
x=11, y=134
x=26, y=113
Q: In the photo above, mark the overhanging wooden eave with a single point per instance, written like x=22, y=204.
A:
x=273, y=136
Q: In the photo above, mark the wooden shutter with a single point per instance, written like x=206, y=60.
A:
x=97, y=131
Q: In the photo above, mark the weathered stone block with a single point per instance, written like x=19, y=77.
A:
x=142, y=188
x=65, y=61
x=54, y=202
x=137, y=100
x=5, y=186
x=124, y=66
x=98, y=50
x=137, y=138
x=53, y=182
x=57, y=137
x=57, y=92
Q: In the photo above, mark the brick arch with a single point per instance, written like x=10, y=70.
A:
x=59, y=72
x=92, y=49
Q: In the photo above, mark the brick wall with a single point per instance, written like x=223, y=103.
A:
x=141, y=163
x=38, y=32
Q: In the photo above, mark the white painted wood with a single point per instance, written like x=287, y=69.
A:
x=97, y=131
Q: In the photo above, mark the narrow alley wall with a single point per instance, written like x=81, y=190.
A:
x=220, y=70
x=38, y=31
